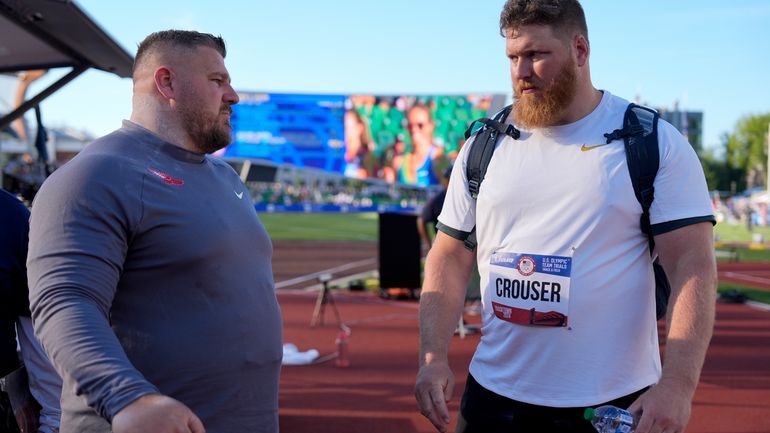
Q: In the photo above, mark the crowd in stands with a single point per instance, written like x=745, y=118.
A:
x=348, y=194
x=748, y=209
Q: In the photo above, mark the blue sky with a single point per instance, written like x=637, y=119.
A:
x=711, y=56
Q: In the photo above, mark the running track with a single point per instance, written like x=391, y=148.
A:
x=754, y=275
x=374, y=394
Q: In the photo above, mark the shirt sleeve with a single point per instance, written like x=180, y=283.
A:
x=681, y=193
x=79, y=235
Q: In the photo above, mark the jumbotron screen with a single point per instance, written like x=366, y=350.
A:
x=409, y=139
x=300, y=129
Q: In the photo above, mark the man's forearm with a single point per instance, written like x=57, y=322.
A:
x=690, y=323
x=442, y=299
x=82, y=346
x=691, y=268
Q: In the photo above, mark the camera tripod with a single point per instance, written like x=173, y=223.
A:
x=324, y=297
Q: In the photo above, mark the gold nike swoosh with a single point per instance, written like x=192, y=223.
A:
x=585, y=148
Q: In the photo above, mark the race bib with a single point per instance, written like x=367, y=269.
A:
x=530, y=289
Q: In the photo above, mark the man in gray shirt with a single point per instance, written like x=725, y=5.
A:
x=150, y=280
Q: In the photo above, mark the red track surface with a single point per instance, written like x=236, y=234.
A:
x=374, y=394
x=754, y=275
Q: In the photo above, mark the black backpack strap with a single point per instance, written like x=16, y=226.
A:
x=643, y=158
x=640, y=136
x=484, y=146
x=481, y=151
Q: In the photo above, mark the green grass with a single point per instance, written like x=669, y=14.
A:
x=753, y=294
x=750, y=255
x=321, y=226
x=738, y=232
x=364, y=227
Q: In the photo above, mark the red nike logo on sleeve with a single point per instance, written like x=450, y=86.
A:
x=166, y=178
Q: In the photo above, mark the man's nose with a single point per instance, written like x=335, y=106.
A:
x=522, y=69
x=230, y=96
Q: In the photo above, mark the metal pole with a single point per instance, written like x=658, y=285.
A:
x=6, y=120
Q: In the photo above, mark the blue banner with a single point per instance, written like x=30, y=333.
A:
x=552, y=265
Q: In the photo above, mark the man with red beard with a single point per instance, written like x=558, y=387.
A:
x=558, y=232
x=150, y=273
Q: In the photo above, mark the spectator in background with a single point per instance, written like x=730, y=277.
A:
x=13, y=247
x=360, y=162
x=424, y=164
x=749, y=215
x=428, y=217
x=149, y=270
x=392, y=158
x=364, y=104
x=38, y=386
x=427, y=222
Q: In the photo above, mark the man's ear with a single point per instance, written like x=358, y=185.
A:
x=582, y=49
x=164, y=82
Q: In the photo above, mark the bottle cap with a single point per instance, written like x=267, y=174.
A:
x=589, y=413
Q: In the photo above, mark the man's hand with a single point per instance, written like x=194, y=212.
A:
x=156, y=413
x=435, y=383
x=665, y=407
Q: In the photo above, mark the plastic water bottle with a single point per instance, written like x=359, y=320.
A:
x=610, y=419
x=343, y=355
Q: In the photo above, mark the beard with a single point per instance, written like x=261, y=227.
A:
x=545, y=109
x=208, y=133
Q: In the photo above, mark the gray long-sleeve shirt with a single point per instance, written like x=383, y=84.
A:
x=150, y=271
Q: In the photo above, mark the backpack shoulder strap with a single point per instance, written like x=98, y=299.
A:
x=643, y=159
x=483, y=146
x=481, y=151
x=640, y=136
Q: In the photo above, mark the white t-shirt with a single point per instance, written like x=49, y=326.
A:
x=559, y=242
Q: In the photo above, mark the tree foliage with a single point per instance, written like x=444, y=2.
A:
x=719, y=175
x=746, y=149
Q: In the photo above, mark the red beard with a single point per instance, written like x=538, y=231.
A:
x=546, y=107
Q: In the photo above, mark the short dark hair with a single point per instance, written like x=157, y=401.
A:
x=178, y=38
x=560, y=15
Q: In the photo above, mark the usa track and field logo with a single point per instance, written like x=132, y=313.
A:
x=526, y=266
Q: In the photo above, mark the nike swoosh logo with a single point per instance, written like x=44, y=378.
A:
x=585, y=148
x=239, y=194
x=166, y=178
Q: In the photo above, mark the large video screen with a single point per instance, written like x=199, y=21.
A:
x=407, y=139
x=410, y=139
x=300, y=129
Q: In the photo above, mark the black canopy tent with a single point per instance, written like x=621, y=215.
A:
x=49, y=34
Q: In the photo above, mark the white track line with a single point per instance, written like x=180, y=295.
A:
x=758, y=305
x=745, y=277
x=314, y=275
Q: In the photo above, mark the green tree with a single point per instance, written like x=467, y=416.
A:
x=718, y=174
x=746, y=148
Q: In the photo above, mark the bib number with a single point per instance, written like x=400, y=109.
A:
x=530, y=289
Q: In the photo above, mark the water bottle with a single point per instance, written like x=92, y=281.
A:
x=610, y=419
x=343, y=359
